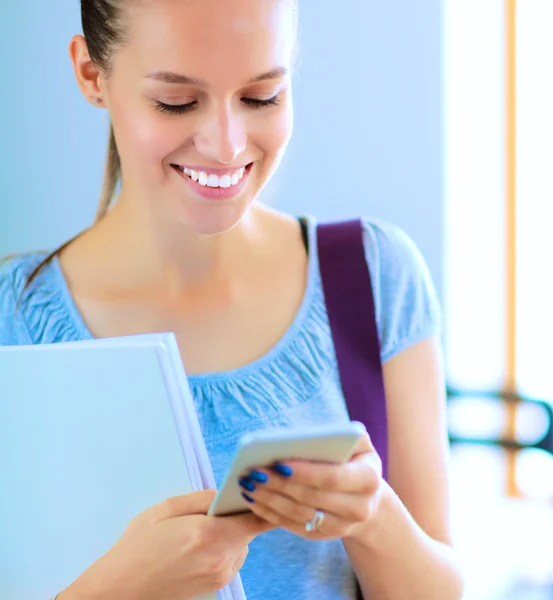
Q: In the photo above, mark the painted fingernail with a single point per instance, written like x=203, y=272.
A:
x=283, y=470
x=258, y=476
x=248, y=499
x=247, y=484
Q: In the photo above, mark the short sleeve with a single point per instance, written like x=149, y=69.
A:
x=13, y=330
x=406, y=303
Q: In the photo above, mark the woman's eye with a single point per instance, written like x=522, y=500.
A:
x=253, y=103
x=180, y=109
x=174, y=109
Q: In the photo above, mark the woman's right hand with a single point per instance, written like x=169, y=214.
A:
x=171, y=551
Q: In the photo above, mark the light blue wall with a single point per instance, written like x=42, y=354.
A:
x=367, y=138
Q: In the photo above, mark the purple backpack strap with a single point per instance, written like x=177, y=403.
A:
x=350, y=306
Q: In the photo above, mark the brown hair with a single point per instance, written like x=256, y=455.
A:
x=103, y=31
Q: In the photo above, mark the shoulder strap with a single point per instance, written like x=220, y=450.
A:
x=350, y=306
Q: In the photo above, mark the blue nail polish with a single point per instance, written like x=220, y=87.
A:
x=248, y=499
x=258, y=477
x=283, y=470
x=247, y=484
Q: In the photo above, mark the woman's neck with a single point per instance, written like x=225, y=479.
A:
x=140, y=252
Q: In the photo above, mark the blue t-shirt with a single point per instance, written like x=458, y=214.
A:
x=296, y=382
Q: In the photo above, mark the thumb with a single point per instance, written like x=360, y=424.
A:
x=195, y=503
x=363, y=446
x=246, y=525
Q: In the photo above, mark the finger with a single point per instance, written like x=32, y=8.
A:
x=196, y=503
x=294, y=518
x=371, y=458
x=300, y=507
x=247, y=525
x=364, y=445
x=359, y=476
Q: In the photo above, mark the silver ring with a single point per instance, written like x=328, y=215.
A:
x=316, y=521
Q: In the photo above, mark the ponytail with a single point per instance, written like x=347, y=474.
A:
x=112, y=175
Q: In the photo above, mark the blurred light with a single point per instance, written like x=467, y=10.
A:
x=478, y=476
x=532, y=423
x=534, y=473
x=485, y=418
x=482, y=418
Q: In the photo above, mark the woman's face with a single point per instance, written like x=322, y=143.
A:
x=201, y=104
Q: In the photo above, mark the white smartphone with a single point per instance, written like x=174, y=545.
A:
x=321, y=443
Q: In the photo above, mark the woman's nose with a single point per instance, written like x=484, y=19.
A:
x=222, y=137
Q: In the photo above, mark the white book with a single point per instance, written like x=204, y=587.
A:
x=91, y=434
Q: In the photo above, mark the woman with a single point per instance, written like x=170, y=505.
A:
x=200, y=99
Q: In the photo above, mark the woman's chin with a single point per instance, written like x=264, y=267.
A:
x=213, y=219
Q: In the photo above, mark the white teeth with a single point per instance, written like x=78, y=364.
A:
x=225, y=181
x=214, y=181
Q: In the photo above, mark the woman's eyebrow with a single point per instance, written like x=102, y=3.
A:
x=168, y=77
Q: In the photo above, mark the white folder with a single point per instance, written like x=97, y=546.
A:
x=91, y=434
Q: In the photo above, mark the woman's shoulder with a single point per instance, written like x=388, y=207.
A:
x=21, y=304
x=406, y=303
x=389, y=247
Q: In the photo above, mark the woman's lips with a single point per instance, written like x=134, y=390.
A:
x=212, y=189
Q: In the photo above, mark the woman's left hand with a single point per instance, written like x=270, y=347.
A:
x=290, y=495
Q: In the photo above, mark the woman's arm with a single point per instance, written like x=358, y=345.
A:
x=405, y=551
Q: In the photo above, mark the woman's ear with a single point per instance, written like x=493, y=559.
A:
x=86, y=73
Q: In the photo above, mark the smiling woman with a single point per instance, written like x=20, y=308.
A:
x=199, y=94
x=202, y=105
